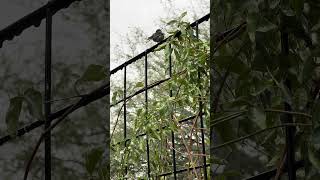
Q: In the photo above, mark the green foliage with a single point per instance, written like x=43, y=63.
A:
x=257, y=81
x=34, y=101
x=13, y=113
x=189, y=56
x=94, y=72
x=93, y=159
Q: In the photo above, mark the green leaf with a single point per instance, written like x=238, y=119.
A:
x=258, y=116
x=35, y=103
x=114, y=96
x=314, y=156
x=273, y=3
x=282, y=87
x=162, y=46
x=308, y=67
x=316, y=114
x=252, y=20
x=94, y=72
x=261, y=86
x=139, y=84
x=265, y=25
x=92, y=159
x=316, y=138
x=297, y=6
x=182, y=15
x=13, y=114
x=274, y=160
x=172, y=22
x=232, y=63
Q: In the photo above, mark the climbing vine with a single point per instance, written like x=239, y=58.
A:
x=189, y=56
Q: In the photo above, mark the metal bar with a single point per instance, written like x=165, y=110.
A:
x=201, y=118
x=141, y=91
x=47, y=94
x=34, y=18
x=269, y=174
x=143, y=134
x=211, y=94
x=125, y=112
x=183, y=170
x=146, y=106
x=290, y=131
x=85, y=100
x=171, y=118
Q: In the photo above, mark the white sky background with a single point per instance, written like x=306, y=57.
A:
x=146, y=14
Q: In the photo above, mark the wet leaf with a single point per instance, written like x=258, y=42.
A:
x=258, y=116
x=94, y=72
x=35, y=103
x=13, y=114
x=92, y=159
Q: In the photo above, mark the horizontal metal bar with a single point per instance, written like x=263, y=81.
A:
x=141, y=91
x=269, y=174
x=86, y=99
x=143, y=134
x=33, y=18
x=263, y=176
x=184, y=170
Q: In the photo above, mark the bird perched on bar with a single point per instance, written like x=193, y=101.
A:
x=157, y=36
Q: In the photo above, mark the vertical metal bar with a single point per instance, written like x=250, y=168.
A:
x=47, y=93
x=171, y=118
x=290, y=130
x=211, y=89
x=201, y=118
x=146, y=106
x=125, y=112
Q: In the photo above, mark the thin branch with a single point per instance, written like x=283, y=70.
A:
x=281, y=163
x=42, y=137
x=227, y=118
x=258, y=132
x=67, y=98
x=217, y=98
x=83, y=101
x=289, y=112
x=114, y=128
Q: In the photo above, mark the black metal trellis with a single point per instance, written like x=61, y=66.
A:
x=46, y=12
x=144, y=55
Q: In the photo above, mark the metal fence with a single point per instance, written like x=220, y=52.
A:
x=144, y=56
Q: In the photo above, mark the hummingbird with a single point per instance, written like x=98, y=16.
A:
x=157, y=36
